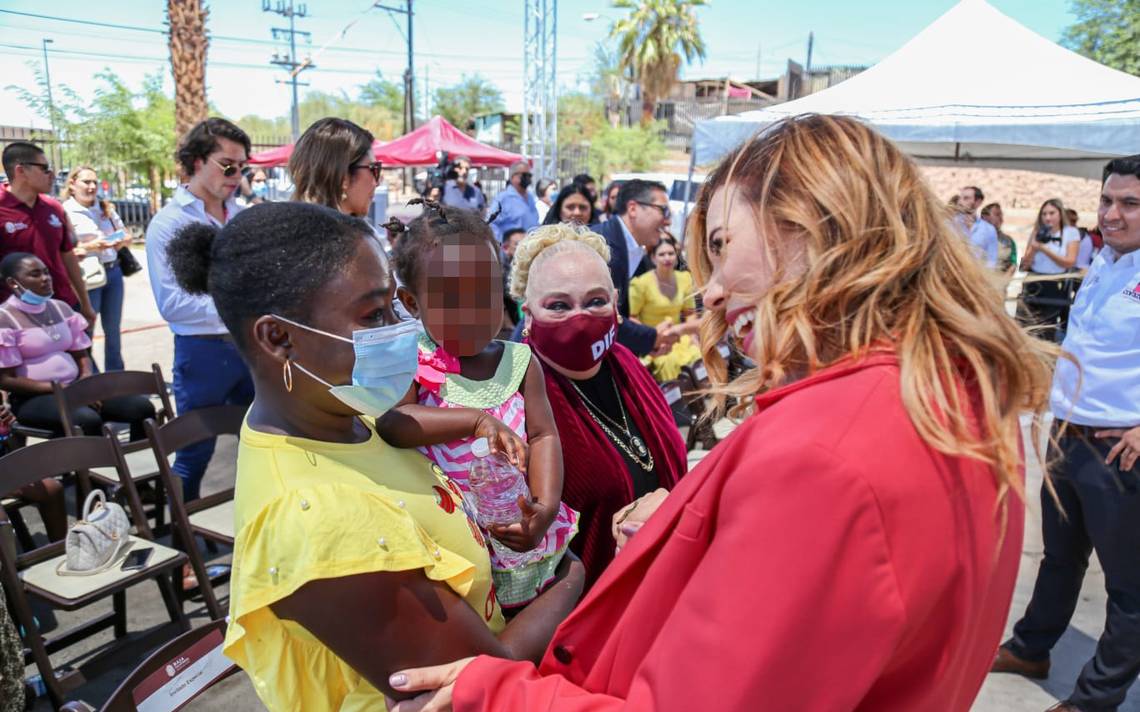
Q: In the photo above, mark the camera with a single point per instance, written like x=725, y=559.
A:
x=1044, y=235
x=444, y=170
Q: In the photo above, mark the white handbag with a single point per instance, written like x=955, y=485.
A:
x=96, y=541
x=94, y=274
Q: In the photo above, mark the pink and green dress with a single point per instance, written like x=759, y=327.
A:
x=441, y=386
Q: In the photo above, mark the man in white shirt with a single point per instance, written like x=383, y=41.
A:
x=1097, y=478
x=207, y=368
x=981, y=233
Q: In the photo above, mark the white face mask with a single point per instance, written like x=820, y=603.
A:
x=386, y=361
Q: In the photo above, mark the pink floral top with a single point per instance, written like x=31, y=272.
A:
x=35, y=340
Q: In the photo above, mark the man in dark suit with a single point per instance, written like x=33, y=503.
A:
x=641, y=213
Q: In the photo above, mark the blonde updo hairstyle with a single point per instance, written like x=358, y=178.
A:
x=546, y=242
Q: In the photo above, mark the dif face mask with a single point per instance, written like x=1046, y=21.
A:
x=386, y=361
x=577, y=343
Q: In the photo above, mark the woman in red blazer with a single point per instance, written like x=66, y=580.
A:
x=853, y=545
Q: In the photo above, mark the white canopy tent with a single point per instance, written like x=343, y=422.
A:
x=974, y=88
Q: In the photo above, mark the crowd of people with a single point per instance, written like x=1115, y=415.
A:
x=877, y=473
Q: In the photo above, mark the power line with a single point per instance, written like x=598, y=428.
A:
x=252, y=41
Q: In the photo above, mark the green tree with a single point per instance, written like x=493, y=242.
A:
x=378, y=91
x=580, y=118
x=1107, y=31
x=626, y=148
x=126, y=135
x=652, y=41
x=461, y=103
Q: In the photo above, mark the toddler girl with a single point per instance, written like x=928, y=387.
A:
x=469, y=386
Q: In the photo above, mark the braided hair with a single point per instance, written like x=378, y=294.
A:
x=419, y=238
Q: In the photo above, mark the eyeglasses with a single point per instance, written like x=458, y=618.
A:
x=45, y=167
x=373, y=168
x=665, y=212
x=229, y=170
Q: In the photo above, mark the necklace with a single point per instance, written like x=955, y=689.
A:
x=636, y=448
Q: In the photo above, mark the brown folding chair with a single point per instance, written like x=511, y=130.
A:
x=197, y=663
x=695, y=377
x=210, y=517
x=116, y=384
x=33, y=573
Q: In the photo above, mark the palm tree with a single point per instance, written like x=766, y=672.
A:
x=186, y=20
x=652, y=41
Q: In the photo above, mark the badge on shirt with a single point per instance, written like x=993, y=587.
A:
x=53, y=220
x=1133, y=293
x=14, y=227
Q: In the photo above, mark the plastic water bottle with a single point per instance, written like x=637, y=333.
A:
x=497, y=485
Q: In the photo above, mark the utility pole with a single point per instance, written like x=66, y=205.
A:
x=758, y=75
x=427, y=93
x=409, y=73
x=811, y=43
x=286, y=8
x=51, y=102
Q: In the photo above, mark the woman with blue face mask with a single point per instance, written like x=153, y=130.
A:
x=352, y=557
x=42, y=340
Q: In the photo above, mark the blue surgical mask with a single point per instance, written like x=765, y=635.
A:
x=260, y=189
x=386, y=362
x=27, y=296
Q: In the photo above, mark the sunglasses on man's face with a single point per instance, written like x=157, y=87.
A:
x=665, y=212
x=373, y=168
x=229, y=170
x=45, y=167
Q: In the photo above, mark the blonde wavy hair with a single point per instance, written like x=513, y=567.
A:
x=69, y=189
x=548, y=241
x=884, y=268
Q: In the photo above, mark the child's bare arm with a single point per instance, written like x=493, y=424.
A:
x=410, y=424
x=544, y=471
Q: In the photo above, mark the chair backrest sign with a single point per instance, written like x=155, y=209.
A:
x=188, y=673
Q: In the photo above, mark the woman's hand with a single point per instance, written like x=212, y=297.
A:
x=628, y=520
x=1128, y=449
x=7, y=417
x=502, y=439
x=529, y=532
x=436, y=683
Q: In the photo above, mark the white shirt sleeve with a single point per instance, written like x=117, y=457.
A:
x=86, y=229
x=186, y=313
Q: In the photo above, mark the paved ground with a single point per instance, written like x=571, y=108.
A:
x=143, y=345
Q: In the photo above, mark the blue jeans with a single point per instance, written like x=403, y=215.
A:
x=208, y=371
x=107, y=301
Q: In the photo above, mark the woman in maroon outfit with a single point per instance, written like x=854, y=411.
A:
x=619, y=439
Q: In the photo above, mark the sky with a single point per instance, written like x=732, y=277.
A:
x=452, y=38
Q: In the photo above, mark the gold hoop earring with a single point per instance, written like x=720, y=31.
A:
x=287, y=375
x=525, y=332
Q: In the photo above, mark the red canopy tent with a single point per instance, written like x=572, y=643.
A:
x=419, y=148
x=280, y=156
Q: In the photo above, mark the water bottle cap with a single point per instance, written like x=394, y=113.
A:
x=480, y=448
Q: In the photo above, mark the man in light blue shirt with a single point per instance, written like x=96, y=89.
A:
x=1096, y=479
x=207, y=368
x=516, y=204
x=981, y=233
x=458, y=193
